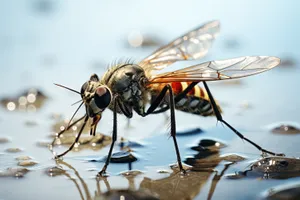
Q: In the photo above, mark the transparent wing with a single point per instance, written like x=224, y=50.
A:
x=192, y=45
x=219, y=70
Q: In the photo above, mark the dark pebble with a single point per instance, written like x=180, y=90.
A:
x=122, y=157
x=14, y=172
x=275, y=167
x=286, y=129
x=205, y=144
x=55, y=171
x=4, y=140
x=13, y=150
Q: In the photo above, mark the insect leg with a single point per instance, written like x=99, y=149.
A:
x=177, y=98
x=125, y=110
x=155, y=104
x=70, y=126
x=77, y=138
x=220, y=118
x=114, y=138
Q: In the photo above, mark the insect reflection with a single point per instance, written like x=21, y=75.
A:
x=175, y=185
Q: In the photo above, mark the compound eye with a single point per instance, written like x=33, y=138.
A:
x=102, y=97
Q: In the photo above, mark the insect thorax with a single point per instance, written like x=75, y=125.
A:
x=127, y=81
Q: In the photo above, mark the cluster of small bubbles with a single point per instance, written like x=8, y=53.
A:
x=11, y=106
x=30, y=101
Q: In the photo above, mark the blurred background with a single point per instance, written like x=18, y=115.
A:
x=53, y=41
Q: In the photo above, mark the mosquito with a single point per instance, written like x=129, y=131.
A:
x=136, y=87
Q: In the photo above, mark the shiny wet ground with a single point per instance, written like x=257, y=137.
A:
x=45, y=43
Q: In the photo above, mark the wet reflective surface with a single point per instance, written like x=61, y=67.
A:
x=45, y=42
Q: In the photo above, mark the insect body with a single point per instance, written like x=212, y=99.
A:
x=128, y=82
x=128, y=87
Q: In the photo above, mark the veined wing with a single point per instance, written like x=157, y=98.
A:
x=219, y=70
x=192, y=45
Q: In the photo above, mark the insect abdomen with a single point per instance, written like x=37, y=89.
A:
x=195, y=105
x=195, y=102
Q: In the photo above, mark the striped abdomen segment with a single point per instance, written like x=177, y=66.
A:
x=195, y=102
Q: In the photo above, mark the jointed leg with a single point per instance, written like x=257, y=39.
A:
x=114, y=138
x=220, y=118
x=77, y=138
x=70, y=126
x=155, y=104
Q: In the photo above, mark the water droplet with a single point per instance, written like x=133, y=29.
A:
x=31, y=98
x=22, y=100
x=76, y=145
x=11, y=106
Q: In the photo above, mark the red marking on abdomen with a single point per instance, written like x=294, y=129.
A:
x=177, y=87
x=196, y=91
x=202, y=93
